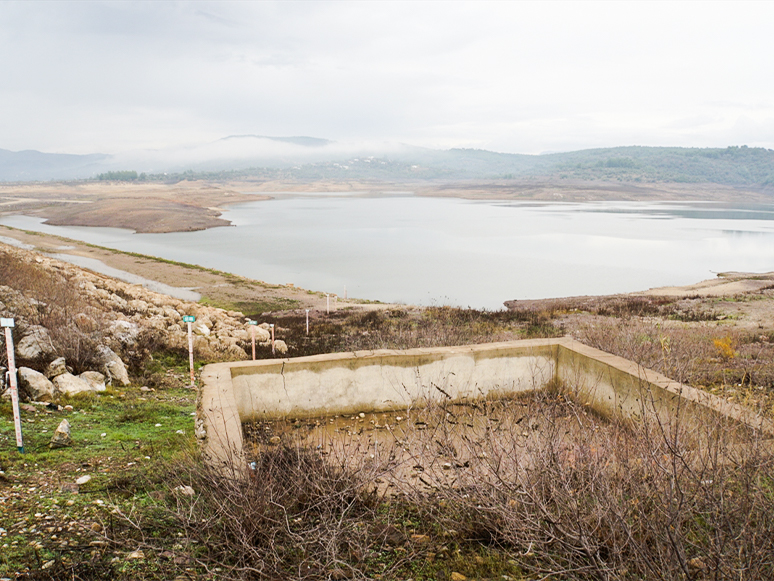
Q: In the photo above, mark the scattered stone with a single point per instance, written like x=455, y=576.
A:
x=28, y=408
x=420, y=539
x=70, y=488
x=34, y=385
x=96, y=527
x=48, y=564
x=146, y=388
x=71, y=384
x=57, y=367
x=184, y=490
x=457, y=576
x=95, y=380
x=83, y=479
x=138, y=554
x=68, y=408
x=274, y=440
x=62, y=437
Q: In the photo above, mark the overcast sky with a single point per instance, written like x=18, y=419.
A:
x=518, y=77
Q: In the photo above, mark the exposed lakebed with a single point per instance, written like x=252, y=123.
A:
x=403, y=248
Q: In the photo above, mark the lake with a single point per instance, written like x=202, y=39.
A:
x=404, y=248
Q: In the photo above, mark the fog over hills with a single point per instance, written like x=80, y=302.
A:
x=301, y=157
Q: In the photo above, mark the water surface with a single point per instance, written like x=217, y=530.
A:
x=401, y=248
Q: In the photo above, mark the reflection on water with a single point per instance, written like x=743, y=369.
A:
x=449, y=251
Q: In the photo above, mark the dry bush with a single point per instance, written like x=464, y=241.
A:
x=698, y=356
x=75, y=324
x=296, y=516
x=561, y=490
x=625, y=502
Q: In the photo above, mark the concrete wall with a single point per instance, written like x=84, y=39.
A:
x=343, y=383
x=386, y=379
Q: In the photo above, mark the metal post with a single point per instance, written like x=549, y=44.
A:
x=271, y=325
x=9, y=324
x=307, y=321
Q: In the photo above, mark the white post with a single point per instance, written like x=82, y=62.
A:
x=307, y=321
x=252, y=332
x=271, y=325
x=345, y=292
x=328, y=303
x=9, y=324
x=190, y=353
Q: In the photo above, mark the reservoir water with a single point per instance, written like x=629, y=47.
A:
x=403, y=248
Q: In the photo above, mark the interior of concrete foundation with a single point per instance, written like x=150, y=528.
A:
x=401, y=406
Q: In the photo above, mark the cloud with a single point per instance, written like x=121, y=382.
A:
x=521, y=77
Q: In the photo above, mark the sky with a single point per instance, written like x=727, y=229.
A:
x=518, y=77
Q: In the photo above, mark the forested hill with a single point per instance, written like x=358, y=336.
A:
x=305, y=158
x=736, y=166
x=732, y=165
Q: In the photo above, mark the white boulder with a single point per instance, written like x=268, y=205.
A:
x=71, y=384
x=35, y=344
x=57, y=367
x=112, y=366
x=35, y=385
x=95, y=380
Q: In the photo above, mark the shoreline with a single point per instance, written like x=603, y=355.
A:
x=198, y=205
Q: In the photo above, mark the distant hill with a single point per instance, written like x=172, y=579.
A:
x=33, y=165
x=302, y=158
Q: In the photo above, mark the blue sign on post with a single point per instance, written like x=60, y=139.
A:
x=189, y=319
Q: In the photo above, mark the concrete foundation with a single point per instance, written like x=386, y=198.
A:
x=345, y=383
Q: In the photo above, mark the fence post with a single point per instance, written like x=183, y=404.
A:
x=190, y=320
x=8, y=324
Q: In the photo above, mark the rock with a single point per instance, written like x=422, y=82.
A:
x=145, y=388
x=62, y=437
x=125, y=332
x=70, y=384
x=34, y=385
x=83, y=479
x=280, y=346
x=96, y=527
x=261, y=335
x=420, y=539
x=95, y=380
x=35, y=344
x=138, y=554
x=200, y=328
x=57, y=367
x=184, y=490
x=112, y=366
x=28, y=408
x=274, y=440
x=457, y=576
x=139, y=306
